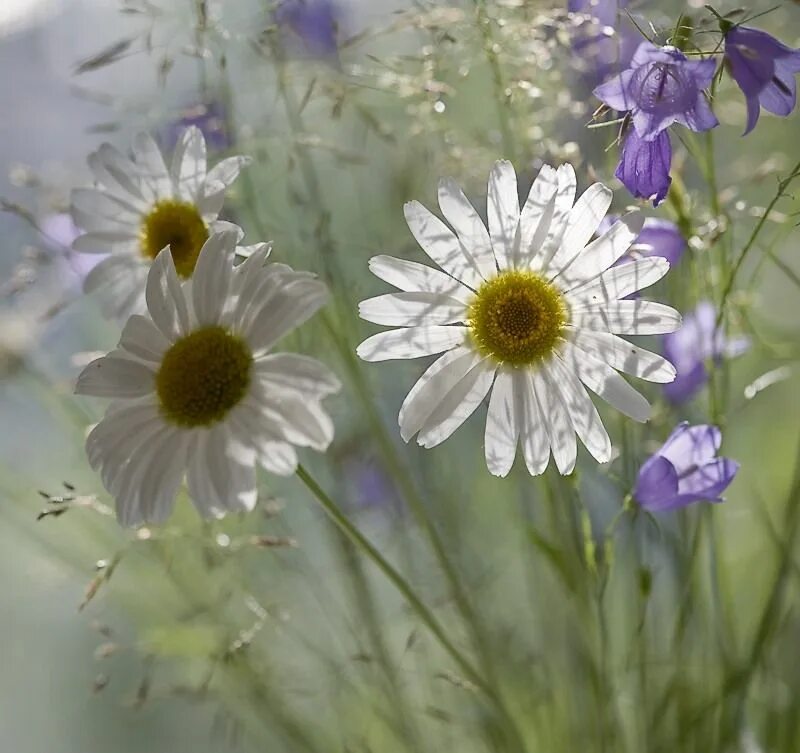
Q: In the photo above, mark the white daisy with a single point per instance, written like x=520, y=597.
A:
x=527, y=311
x=196, y=393
x=139, y=206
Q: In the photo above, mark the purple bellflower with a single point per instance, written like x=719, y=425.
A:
x=312, y=26
x=686, y=469
x=604, y=42
x=695, y=343
x=644, y=166
x=662, y=87
x=209, y=118
x=764, y=69
x=659, y=237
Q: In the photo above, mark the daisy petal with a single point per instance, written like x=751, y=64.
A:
x=557, y=421
x=627, y=318
x=457, y=405
x=116, y=375
x=624, y=356
x=410, y=277
x=298, y=373
x=502, y=425
x=411, y=342
x=165, y=298
x=583, y=415
x=143, y=339
x=148, y=155
x=503, y=212
x=441, y=244
x=533, y=427
x=620, y=281
x=431, y=388
x=469, y=227
x=188, y=168
x=412, y=309
x=601, y=379
x=212, y=277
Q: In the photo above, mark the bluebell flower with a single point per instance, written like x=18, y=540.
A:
x=662, y=87
x=659, y=237
x=764, y=69
x=644, y=166
x=604, y=43
x=313, y=24
x=685, y=470
x=689, y=348
x=209, y=117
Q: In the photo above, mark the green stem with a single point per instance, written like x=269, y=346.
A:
x=397, y=580
x=484, y=24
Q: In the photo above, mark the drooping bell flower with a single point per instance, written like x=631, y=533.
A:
x=310, y=26
x=659, y=237
x=684, y=470
x=662, y=87
x=764, y=69
x=689, y=348
x=644, y=166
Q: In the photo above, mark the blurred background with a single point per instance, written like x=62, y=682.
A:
x=380, y=104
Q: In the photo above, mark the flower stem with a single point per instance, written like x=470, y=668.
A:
x=397, y=580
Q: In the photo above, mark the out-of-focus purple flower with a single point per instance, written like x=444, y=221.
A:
x=210, y=118
x=659, y=237
x=603, y=42
x=58, y=233
x=314, y=24
x=695, y=343
x=764, y=69
x=644, y=166
x=686, y=469
x=662, y=87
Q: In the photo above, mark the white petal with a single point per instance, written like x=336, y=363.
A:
x=300, y=420
x=109, y=443
x=620, y=281
x=601, y=379
x=441, y=244
x=559, y=429
x=105, y=243
x=188, y=169
x=412, y=309
x=624, y=356
x=502, y=208
x=164, y=475
x=142, y=338
x=628, y=318
x=278, y=457
x=287, y=309
x=93, y=209
x=117, y=174
x=532, y=423
x=603, y=252
x=295, y=372
x=458, y=404
x=469, y=227
x=544, y=188
x=582, y=413
x=431, y=388
x=531, y=256
x=117, y=376
x=227, y=170
x=502, y=425
x=120, y=281
x=165, y=298
x=581, y=223
x=409, y=276
x=411, y=342
x=154, y=171
x=212, y=277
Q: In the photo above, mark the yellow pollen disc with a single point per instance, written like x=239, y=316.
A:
x=203, y=376
x=176, y=224
x=517, y=318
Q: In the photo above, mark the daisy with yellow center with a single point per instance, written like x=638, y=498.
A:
x=140, y=206
x=528, y=312
x=196, y=393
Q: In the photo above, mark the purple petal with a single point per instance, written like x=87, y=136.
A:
x=660, y=237
x=657, y=481
x=780, y=95
x=709, y=480
x=689, y=447
x=644, y=166
x=614, y=93
x=700, y=117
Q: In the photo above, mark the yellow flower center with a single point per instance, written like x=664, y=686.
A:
x=176, y=224
x=517, y=318
x=203, y=376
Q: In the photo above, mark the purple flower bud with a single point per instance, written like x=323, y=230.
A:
x=690, y=347
x=662, y=87
x=314, y=24
x=764, y=69
x=644, y=166
x=209, y=118
x=686, y=469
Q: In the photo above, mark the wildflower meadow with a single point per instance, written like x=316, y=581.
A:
x=386, y=376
